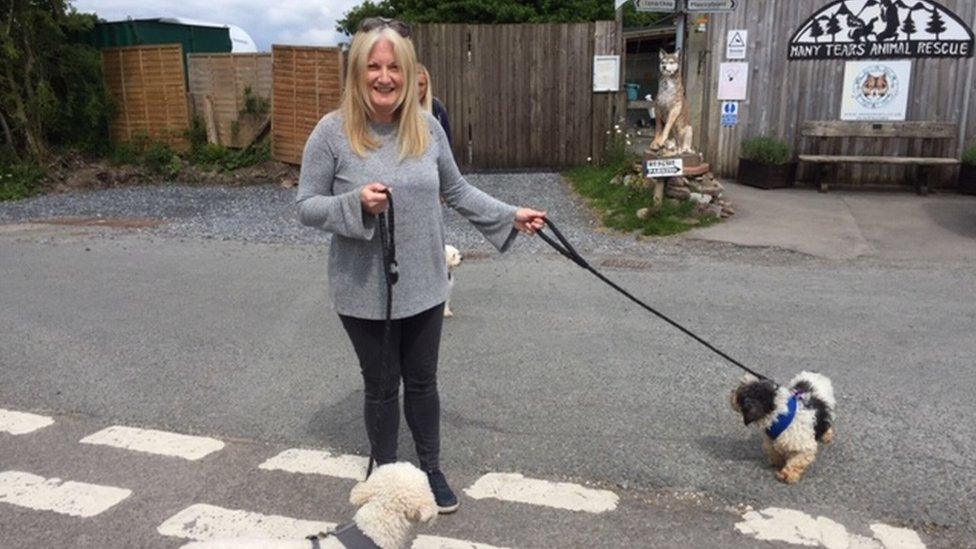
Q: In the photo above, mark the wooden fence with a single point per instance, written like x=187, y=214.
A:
x=785, y=93
x=147, y=87
x=520, y=96
x=217, y=87
x=307, y=85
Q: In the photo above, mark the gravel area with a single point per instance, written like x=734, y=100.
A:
x=266, y=214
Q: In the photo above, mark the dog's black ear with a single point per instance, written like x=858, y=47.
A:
x=756, y=401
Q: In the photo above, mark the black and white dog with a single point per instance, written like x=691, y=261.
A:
x=793, y=419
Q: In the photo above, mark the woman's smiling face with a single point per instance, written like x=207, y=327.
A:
x=385, y=79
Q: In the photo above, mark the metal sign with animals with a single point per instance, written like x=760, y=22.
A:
x=878, y=29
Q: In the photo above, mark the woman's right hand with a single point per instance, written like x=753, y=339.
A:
x=374, y=198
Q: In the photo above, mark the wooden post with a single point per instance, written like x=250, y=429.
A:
x=210, y=121
x=658, y=192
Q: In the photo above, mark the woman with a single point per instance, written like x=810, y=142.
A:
x=379, y=141
x=430, y=103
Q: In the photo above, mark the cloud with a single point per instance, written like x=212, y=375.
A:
x=267, y=21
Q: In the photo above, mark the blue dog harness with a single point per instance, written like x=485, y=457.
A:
x=784, y=420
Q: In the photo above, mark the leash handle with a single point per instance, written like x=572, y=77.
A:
x=387, y=224
x=567, y=250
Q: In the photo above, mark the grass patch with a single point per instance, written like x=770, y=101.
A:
x=969, y=155
x=20, y=181
x=618, y=204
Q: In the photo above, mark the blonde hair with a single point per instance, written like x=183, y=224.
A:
x=427, y=101
x=412, y=129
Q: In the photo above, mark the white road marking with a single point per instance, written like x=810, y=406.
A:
x=434, y=542
x=77, y=499
x=318, y=462
x=791, y=526
x=21, y=423
x=155, y=442
x=205, y=522
x=562, y=495
x=891, y=537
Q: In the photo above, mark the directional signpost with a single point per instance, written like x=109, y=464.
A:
x=656, y=5
x=711, y=5
x=664, y=167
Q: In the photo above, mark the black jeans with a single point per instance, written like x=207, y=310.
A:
x=414, y=345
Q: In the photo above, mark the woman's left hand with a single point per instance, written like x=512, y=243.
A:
x=529, y=221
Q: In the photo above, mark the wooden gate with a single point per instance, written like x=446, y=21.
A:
x=520, y=96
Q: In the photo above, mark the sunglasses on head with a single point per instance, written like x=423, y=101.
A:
x=371, y=23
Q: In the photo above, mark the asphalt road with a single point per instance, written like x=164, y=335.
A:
x=544, y=371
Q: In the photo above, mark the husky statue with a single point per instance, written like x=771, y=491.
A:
x=671, y=107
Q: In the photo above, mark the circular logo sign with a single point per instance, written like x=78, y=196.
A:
x=876, y=86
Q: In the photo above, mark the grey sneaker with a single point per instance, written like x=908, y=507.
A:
x=447, y=502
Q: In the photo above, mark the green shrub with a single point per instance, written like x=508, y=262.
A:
x=617, y=150
x=255, y=154
x=158, y=158
x=254, y=105
x=124, y=153
x=19, y=181
x=766, y=150
x=969, y=155
x=197, y=134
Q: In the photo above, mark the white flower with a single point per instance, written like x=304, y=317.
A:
x=608, y=132
x=628, y=142
x=616, y=127
x=589, y=159
x=618, y=131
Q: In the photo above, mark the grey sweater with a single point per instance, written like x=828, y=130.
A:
x=329, y=188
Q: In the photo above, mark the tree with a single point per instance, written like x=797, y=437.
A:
x=816, y=31
x=51, y=89
x=908, y=27
x=936, y=25
x=833, y=26
x=492, y=11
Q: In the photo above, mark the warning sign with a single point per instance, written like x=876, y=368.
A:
x=730, y=113
x=735, y=46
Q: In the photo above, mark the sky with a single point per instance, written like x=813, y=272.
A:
x=299, y=22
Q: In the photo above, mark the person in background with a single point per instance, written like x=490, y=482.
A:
x=430, y=103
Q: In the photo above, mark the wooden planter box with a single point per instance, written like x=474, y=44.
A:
x=766, y=176
x=967, y=179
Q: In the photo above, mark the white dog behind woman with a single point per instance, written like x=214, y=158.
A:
x=381, y=145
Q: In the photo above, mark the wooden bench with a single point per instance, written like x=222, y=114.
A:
x=924, y=138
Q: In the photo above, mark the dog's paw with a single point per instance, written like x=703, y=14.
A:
x=828, y=436
x=787, y=475
x=448, y=313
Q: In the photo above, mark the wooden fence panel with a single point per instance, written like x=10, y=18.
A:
x=307, y=85
x=783, y=93
x=520, y=96
x=223, y=77
x=146, y=85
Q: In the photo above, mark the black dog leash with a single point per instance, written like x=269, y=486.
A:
x=387, y=225
x=566, y=249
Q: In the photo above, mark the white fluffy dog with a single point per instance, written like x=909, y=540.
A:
x=453, y=258
x=394, y=498
x=792, y=419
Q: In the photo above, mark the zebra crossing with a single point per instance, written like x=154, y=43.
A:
x=202, y=521
x=204, y=515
